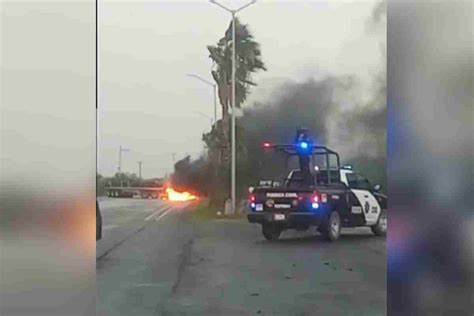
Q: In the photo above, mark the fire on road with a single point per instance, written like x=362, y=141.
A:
x=173, y=195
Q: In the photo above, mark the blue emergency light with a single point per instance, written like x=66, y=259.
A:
x=304, y=145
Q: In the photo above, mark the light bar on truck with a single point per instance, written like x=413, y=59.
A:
x=303, y=145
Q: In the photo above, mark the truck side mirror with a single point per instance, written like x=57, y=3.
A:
x=377, y=188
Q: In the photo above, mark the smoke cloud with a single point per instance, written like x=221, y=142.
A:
x=334, y=112
x=341, y=112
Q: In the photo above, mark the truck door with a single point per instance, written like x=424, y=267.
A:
x=364, y=202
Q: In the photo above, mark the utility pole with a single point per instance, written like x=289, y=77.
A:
x=120, y=157
x=233, y=12
x=140, y=169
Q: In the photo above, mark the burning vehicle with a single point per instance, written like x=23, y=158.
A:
x=172, y=195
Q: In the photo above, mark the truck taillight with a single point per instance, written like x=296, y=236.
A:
x=315, y=199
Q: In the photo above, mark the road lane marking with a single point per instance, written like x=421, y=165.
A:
x=163, y=214
x=154, y=214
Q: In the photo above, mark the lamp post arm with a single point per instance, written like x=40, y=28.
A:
x=245, y=5
x=220, y=5
x=201, y=79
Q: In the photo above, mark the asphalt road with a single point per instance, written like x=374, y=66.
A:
x=156, y=258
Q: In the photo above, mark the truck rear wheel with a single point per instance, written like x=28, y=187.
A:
x=380, y=229
x=271, y=231
x=331, y=230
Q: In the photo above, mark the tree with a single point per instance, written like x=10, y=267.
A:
x=248, y=61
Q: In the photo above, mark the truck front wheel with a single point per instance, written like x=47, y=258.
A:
x=271, y=231
x=380, y=229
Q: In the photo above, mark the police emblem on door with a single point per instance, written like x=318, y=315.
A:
x=367, y=207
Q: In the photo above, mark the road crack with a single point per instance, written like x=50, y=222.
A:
x=184, y=261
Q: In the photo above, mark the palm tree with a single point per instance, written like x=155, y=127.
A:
x=248, y=61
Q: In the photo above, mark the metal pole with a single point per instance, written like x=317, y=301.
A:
x=214, y=86
x=233, y=12
x=120, y=160
x=120, y=157
x=233, y=116
x=140, y=169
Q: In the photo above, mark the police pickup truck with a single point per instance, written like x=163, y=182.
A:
x=328, y=198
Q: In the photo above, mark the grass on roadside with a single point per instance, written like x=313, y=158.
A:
x=203, y=210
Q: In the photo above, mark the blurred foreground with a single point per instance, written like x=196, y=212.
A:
x=430, y=256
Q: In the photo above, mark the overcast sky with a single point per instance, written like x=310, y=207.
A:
x=149, y=105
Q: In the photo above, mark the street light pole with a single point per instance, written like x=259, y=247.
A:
x=232, y=184
x=214, y=86
x=233, y=157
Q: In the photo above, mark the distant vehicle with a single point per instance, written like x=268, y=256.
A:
x=153, y=188
x=329, y=198
x=98, y=222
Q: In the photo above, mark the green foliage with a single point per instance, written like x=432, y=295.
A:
x=248, y=61
x=204, y=210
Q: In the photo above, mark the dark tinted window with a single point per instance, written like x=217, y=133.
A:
x=356, y=181
x=296, y=175
x=322, y=176
x=295, y=180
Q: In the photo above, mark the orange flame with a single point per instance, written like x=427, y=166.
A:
x=173, y=195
